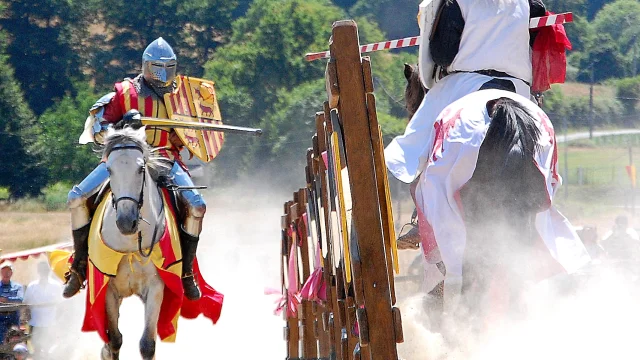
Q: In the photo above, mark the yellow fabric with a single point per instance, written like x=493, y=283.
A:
x=59, y=262
x=107, y=260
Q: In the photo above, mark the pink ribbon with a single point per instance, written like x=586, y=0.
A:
x=315, y=288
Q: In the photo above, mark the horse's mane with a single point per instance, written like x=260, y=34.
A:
x=158, y=166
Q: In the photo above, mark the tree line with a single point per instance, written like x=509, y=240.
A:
x=59, y=56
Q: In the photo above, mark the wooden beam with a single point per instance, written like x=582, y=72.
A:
x=366, y=210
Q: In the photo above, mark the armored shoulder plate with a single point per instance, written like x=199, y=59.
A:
x=101, y=102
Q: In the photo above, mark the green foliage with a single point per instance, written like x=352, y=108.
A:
x=397, y=18
x=606, y=111
x=577, y=7
x=628, y=92
x=46, y=43
x=65, y=159
x=345, y=4
x=612, y=46
x=4, y=193
x=55, y=196
x=267, y=50
x=288, y=130
x=194, y=28
x=263, y=61
x=21, y=156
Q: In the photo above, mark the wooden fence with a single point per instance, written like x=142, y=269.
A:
x=338, y=239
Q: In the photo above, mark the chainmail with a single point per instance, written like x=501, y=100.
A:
x=145, y=89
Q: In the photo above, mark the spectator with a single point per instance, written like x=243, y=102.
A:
x=10, y=293
x=20, y=352
x=622, y=242
x=43, y=296
x=589, y=237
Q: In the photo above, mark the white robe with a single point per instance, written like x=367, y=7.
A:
x=406, y=155
x=450, y=165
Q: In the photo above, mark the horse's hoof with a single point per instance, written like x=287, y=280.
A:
x=105, y=354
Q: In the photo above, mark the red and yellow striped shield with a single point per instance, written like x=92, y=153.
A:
x=195, y=101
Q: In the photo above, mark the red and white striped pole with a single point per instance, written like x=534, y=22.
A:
x=535, y=23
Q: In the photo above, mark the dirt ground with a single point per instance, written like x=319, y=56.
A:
x=239, y=257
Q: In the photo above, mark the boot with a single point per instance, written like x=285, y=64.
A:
x=189, y=244
x=77, y=273
x=410, y=240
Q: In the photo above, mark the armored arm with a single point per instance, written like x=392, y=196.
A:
x=96, y=125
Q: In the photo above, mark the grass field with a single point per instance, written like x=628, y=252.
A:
x=26, y=230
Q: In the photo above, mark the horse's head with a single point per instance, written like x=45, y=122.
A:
x=414, y=92
x=126, y=153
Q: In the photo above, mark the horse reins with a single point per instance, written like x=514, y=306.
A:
x=139, y=201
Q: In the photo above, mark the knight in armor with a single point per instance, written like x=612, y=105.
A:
x=475, y=45
x=132, y=98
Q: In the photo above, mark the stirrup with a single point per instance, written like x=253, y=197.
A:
x=413, y=232
x=67, y=277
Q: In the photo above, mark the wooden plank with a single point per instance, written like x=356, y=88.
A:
x=309, y=342
x=333, y=320
x=366, y=213
x=385, y=208
x=293, y=348
x=320, y=312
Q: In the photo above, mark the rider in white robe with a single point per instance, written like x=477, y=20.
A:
x=482, y=44
x=477, y=41
x=450, y=165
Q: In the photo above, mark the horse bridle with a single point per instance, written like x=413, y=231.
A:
x=139, y=201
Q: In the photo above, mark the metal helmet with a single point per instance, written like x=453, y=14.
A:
x=159, y=63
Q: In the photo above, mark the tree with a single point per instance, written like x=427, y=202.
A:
x=194, y=28
x=65, y=159
x=603, y=55
x=628, y=91
x=263, y=62
x=577, y=7
x=345, y=4
x=21, y=156
x=620, y=20
x=288, y=131
x=45, y=46
x=397, y=18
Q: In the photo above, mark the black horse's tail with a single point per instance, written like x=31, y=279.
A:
x=506, y=157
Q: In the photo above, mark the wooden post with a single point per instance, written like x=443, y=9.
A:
x=309, y=342
x=333, y=319
x=322, y=334
x=292, y=331
x=367, y=220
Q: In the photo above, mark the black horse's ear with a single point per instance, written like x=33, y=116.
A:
x=408, y=71
x=491, y=104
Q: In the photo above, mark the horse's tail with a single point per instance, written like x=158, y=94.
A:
x=507, y=155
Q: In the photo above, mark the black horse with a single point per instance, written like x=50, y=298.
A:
x=500, y=203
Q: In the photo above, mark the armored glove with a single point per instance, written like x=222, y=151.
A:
x=131, y=118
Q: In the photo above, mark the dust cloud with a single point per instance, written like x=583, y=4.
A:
x=590, y=315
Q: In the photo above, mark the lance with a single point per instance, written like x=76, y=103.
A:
x=534, y=23
x=179, y=124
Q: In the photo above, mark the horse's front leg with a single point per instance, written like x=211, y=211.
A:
x=152, y=303
x=111, y=350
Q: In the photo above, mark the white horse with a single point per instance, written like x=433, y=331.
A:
x=133, y=223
